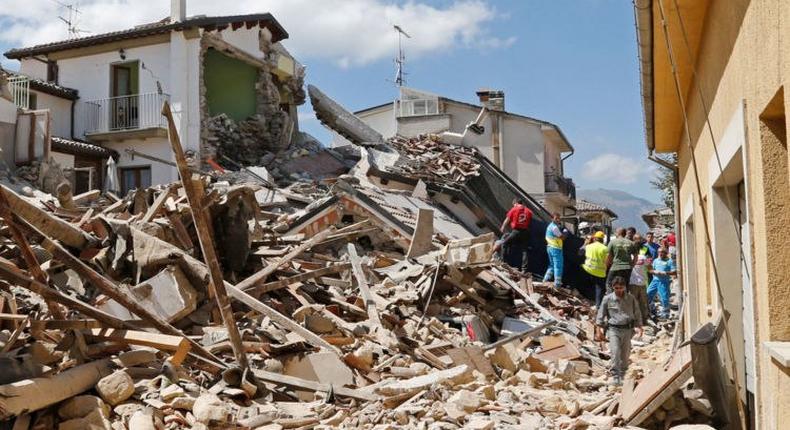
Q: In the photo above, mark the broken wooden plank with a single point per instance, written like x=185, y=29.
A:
x=422, y=239
x=157, y=205
x=109, y=288
x=656, y=387
x=38, y=393
x=304, y=384
x=177, y=345
x=264, y=273
x=63, y=231
x=362, y=283
x=193, y=187
x=283, y=283
x=87, y=196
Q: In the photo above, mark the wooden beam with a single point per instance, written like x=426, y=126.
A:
x=177, y=345
x=283, y=283
x=201, y=271
x=109, y=288
x=193, y=187
x=362, y=283
x=27, y=253
x=157, y=205
x=264, y=273
x=304, y=384
x=63, y=231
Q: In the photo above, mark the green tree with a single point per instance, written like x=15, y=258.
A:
x=664, y=181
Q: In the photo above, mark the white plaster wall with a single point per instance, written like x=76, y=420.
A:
x=460, y=116
x=244, y=39
x=60, y=112
x=33, y=68
x=523, y=154
x=65, y=161
x=90, y=74
x=382, y=120
x=158, y=147
x=414, y=126
x=552, y=157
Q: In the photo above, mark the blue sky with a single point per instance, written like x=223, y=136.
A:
x=570, y=62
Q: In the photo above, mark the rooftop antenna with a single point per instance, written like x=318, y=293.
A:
x=400, y=60
x=71, y=22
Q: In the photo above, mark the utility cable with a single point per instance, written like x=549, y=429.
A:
x=709, y=246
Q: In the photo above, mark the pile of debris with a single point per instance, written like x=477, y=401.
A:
x=427, y=157
x=215, y=304
x=111, y=319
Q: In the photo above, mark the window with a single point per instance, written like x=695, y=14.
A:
x=418, y=107
x=135, y=177
x=84, y=178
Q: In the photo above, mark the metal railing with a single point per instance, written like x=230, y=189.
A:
x=556, y=183
x=132, y=112
x=20, y=90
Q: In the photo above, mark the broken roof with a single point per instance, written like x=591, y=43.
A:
x=76, y=147
x=265, y=20
x=585, y=206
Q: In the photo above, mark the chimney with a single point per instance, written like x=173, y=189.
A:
x=492, y=99
x=178, y=10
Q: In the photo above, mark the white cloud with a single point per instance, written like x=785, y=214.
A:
x=618, y=169
x=346, y=32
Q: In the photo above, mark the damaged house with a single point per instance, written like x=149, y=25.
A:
x=522, y=147
x=227, y=77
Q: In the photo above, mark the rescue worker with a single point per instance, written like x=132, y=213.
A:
x=637, y=285
x=518, y=219
x=621, y=258
x=618, y=316
x=595, y=253
x=555, y=234
x=663, y=269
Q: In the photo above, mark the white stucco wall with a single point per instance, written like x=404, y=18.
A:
x=59, y=110
x=8, y=113
x=158, y=147
x=412, y=126
x=523, y=153
x=33, y=68
x=244, y=39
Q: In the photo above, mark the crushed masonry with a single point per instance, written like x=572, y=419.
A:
x=354, y=300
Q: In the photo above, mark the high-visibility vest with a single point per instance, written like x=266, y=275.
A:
x=552, y=240
x=595, y=259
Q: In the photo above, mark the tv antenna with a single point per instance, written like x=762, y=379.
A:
x=71, y=22
x=400, y=60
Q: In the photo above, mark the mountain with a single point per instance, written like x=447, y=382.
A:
x=628, y=207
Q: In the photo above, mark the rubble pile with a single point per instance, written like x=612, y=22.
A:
x=242, y=141
x=427, y=157
x=119, y=326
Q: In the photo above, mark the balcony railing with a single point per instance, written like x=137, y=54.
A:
x=556, y=183
x=124, y=113
x=20, y=90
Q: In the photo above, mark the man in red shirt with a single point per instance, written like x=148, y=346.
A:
x=518, y=219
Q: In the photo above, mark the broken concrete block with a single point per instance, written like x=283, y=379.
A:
x=325, y=367
x=508, y=357
x=115, y=387
x=209, y=408
x=171, y=392
x=183, y=402
x=478, y=422
x=142, y=420
x=81, y=406
x=462, y=403
x=168, y=294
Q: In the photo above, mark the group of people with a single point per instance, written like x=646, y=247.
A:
x=626, y=273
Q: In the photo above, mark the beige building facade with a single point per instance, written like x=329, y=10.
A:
x=713, y=84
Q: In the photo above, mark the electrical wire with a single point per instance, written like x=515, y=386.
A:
x=709, y=246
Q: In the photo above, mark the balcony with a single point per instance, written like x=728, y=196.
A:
x=20, y=91
x=556, y=183
x=133, y=116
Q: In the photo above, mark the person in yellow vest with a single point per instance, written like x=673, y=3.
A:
x=595, y=253
x=555, y=233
